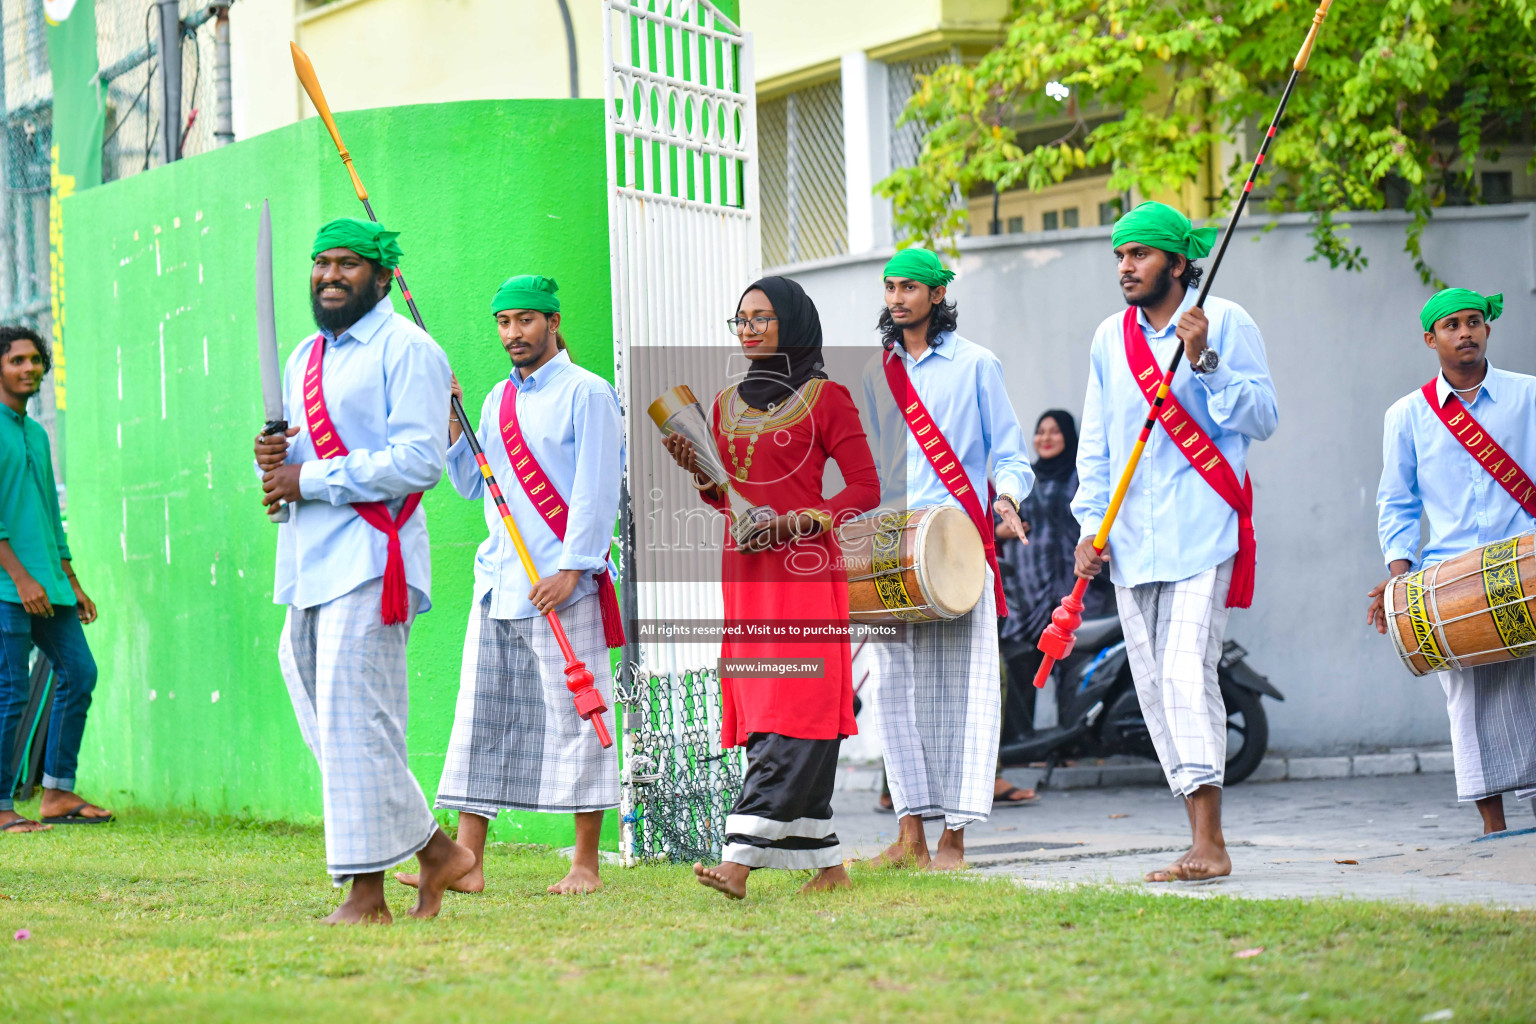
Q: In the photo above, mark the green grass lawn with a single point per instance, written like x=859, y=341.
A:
x=162, y=917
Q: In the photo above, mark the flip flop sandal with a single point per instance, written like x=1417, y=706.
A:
x=74, y=817
x=880, y=807
x=15, y=822
x=1005, y=798
x=1505, y=834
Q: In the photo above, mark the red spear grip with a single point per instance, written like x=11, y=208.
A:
x=578, y=679
x=1061, y=635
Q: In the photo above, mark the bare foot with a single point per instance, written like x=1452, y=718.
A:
x=903, y=853
x=948, y=858
x=726, y=877
x=827, y=879
x=580, y=879
x=1200, y=863
x=10, y=821
x=443, y=862
x=471, y=881
x=361, y=908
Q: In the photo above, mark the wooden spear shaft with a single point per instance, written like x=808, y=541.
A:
x=1061, y=635
x=578, y=678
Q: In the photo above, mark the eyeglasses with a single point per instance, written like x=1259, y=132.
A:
x=741, y=325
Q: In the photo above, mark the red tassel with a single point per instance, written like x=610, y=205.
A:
x=608, y=601
x=396, y=604
x=1240, y=593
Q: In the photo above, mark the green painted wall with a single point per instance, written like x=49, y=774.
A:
x=165, y=524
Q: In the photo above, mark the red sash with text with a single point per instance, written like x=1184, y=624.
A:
x=1485, y=450
x=552, y=509
x=944, y=462
x=395, y=606
x=1202, y=454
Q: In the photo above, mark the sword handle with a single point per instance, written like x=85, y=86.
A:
x=276, y=513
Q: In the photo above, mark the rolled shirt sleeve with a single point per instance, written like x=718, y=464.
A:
x=417, y=433
x=1242, y=395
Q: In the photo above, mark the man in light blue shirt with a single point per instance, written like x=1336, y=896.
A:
x=938, y=704
x=377, y=382
x=1172, y=549
x=517, y=740
x=1427, y=471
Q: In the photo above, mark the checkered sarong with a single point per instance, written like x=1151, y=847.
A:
x=1493, y=728
x=346, y=676
x=1173, y=637
x=938, y=711
x=517, y=741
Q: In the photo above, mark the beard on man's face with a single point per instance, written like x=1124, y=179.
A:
x=1158, y=290
x=348, y=313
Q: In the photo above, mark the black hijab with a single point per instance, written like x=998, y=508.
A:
x=1058, y=467
x=778, y=377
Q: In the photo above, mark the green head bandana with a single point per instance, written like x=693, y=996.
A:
x=1163, y=227
x=527, y=291
x=363, y=237
x=1454, y=300
x=918, y=265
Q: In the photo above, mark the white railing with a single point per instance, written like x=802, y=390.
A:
x=681, y=120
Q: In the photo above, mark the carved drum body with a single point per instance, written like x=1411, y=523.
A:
x=1475, y=609
x=922, y=565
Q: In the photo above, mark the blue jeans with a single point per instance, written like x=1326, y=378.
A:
x=62, y=640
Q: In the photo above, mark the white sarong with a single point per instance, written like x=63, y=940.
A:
x=1173, y=639
x=1493, y=728
x=347, y=679
x=517, y=741
x=938, y=711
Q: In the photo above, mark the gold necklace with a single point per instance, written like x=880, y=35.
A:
x=737, y=465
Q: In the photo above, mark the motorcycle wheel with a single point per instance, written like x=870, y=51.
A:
x=1124, y=728
x=1247, y=732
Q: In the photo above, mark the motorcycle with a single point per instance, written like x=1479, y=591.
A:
x=1099, y=715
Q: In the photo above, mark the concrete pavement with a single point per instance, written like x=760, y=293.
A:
x=1388, y=838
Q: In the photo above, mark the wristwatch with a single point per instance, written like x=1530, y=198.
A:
x=1207, y=362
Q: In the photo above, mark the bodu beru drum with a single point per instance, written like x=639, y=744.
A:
x=922, y=565
x=1475, y=609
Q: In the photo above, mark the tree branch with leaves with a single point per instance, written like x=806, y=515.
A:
x=1401, y=98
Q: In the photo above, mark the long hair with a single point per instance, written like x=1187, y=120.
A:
x=943, y=318
x=1190, y=278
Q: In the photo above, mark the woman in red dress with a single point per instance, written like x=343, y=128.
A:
x=776, y=431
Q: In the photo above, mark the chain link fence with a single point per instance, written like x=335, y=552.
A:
x=127, y=45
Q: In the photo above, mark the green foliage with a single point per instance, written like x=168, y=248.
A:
x=1399, y=92
x=179, y=917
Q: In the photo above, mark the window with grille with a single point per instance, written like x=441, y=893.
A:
x=801, y=175
x=901, y=83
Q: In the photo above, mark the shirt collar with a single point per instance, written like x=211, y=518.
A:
x=945, y=348
x=368, y=326
x=1190, y=295
x=1444, y=391
x=13, y=415
x=541, y=377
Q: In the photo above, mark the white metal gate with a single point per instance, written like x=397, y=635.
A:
x=684, y=240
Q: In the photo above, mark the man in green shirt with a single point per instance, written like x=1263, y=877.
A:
x=41, y=602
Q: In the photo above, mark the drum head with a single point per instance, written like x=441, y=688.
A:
x=954, y=564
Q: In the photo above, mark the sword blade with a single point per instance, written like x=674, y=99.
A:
x=266, y=322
